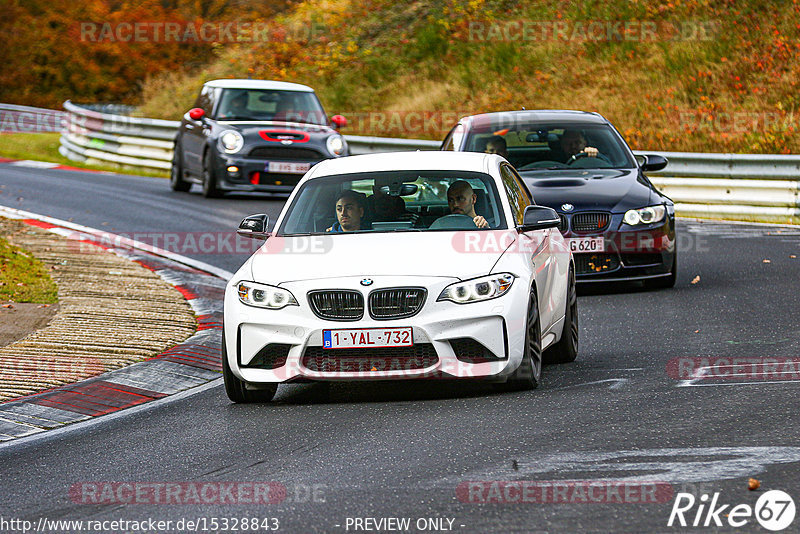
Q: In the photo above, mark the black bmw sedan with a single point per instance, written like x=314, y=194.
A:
x=253, y=135
x=617, y=224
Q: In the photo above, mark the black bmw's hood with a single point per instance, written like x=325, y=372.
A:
x=614, y=190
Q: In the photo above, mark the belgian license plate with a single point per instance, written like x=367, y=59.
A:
x=287, y=167
x=586, y=244
x=367, y=338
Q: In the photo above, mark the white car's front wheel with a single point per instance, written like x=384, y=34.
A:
x=529, y=372
x=237, y=389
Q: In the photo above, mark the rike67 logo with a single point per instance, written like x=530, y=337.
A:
x=774, y=510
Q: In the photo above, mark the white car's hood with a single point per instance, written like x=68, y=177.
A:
x=453, y=254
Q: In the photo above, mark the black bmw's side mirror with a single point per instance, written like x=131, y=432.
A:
x=654, y=162
x=538, y=218
x=254, y=226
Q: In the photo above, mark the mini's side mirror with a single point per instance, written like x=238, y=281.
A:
x=653, y=162
x=539, y=218
x=197, y=113
x=254, y=226
x=338, y=121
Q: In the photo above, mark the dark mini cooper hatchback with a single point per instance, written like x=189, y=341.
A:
x=253, y=135
x=617, y=224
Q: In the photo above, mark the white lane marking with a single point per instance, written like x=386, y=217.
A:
x=13, y=213
x=674, y=465
x=56, y=432
x=617, y=383
x=34, y=164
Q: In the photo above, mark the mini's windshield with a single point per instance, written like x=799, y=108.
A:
x=547, y=146
x=270, y=105
x=394, y=201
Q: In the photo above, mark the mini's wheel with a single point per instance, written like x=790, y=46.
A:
x=176, y=181
x=210, y=189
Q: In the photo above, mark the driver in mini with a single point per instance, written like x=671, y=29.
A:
x=461, y=201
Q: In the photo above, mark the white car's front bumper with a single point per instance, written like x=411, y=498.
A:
x=497, y=324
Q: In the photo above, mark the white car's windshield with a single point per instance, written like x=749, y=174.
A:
x=270, y=105
x=395, y=201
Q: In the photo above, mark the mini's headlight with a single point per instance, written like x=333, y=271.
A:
x=335, y=145
x=231, y=141
x=264, y=296
x=648, y=215
x=478, y=289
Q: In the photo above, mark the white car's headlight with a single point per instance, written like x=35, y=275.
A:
x=335, y=145
x=478, y=289
x=648, y=215
x=231, y=141
x=264, y=296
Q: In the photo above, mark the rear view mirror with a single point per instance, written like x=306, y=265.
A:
x=254, y=226
x=395, y=189
x=338, y=121
x=653, y=162
x=196, y=113
x=538, y=218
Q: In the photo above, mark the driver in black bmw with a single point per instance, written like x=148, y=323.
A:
x=572, y=143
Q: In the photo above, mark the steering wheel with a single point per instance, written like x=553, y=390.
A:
x=576, y=157
x=454, y=221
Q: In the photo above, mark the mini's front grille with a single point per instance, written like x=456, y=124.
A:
x=271, y=356
x=595, y=263
x=286, y=153
x=563, y=225
x=396, y=303
x=590, y=221
x=337, y=304
x=364, y=360
x=468, y=350
x=645, y=258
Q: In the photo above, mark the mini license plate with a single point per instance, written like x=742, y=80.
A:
x=586, y=244
x=367, y=338
x=287, y=167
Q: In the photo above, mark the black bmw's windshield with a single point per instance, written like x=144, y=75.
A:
x=270, y=105
x=549, y=146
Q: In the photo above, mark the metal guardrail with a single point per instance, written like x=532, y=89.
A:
x=26, y=119
x=724, y=185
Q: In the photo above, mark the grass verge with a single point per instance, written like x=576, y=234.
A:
x=23, y=278
x=44, y=147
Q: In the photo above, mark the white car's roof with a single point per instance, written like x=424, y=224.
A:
x=259, y=84
x=401, y=161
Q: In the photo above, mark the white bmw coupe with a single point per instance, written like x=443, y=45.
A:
x=405, y=265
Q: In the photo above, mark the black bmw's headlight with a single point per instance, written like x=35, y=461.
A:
x=648, y=215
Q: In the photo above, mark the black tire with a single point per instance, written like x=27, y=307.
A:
x=529, y=372
x=176, y=181
x=236, y=389
x=665, y=282
x=566, y=350
x=209, y=178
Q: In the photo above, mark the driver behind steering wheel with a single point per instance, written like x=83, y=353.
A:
x=573, y=143
x=461, y=201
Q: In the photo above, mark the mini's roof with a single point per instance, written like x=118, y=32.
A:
x=258, y=84
x=432, y=160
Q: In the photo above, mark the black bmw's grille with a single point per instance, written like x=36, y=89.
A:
x=337, y=304
x=595, y=263
x=271, y=356
x=470, y=351
x=418, y=357
x=396, y=303
x=590, y=221
x=286, y=153
x=563, y=225
x=644, y=258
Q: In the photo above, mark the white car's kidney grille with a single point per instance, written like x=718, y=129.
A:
x=337, y=304
x=365, y=360
x=396, y=303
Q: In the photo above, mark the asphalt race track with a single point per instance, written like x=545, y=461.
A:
x=621, y=413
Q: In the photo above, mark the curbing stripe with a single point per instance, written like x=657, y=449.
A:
x=195, y=362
